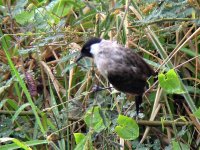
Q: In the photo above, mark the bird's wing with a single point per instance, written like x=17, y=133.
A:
x=128, y=72
x=134, y=59
x=120, y=54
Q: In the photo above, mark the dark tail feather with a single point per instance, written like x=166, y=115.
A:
x=138, y=102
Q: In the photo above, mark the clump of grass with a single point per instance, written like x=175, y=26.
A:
x=44, y=38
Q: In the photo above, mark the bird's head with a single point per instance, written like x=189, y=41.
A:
x=86, y=49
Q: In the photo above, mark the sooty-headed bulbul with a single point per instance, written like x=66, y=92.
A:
x=123, y=68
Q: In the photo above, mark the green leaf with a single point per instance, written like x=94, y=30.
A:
x=68, y=68
x=68, y=57
x=85, y=143
x=19, y=110
x=62, y=8
x=44, y=121
x=186, y=50
x=9, y=102
x=16, y=141
x=86, y=17
x=93, y=119
x=79, y=137
x=197, y=113
x=179, y=146
x=16, y=146
x=128, y=128
x=7, y=39
x=24, y=17
x=170, y=82
x=15, y=72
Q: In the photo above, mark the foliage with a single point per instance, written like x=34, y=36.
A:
x=46, y=98
x=18, y=144
x=96, y=119
x=197, y=113
x=128, y=128
x=83, y=142
x=170, y=82
x=179, y=146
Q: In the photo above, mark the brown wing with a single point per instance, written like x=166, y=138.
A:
x=137, y=61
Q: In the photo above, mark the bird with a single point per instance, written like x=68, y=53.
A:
x=122, y=67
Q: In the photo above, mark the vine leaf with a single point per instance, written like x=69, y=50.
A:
x=128, y=128
x=96, y=119
x=170, y=82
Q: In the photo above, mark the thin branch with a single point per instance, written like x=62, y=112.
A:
x=163, y=20
x=140, y=122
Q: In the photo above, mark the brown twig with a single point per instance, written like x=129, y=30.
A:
x=140, y=122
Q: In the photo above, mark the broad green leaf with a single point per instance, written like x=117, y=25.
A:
x=128, y=128
x=19, y=7
x=62, y=8
x=197, y=113
x=79, y=137
x=44, y=19
x=179, y=146
x=170, y=82
x=93, y=119
x=85, y=143
x=24, y=17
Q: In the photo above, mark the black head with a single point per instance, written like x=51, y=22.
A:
x=85, y=51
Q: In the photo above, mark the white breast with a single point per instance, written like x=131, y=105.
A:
x=94, y=49
x=99, y=59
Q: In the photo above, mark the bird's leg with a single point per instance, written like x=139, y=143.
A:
x=97, y=88
x=138, y=102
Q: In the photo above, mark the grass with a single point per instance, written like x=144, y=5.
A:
x=40, y=41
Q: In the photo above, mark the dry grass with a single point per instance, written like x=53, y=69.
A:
x=39, y=53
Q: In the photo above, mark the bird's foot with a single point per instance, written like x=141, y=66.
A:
x=97, y=88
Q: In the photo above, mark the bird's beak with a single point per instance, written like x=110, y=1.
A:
x=79, y=58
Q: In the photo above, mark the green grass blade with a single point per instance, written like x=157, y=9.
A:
x=21, y=82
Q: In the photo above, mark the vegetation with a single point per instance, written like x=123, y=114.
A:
x=47, y=101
